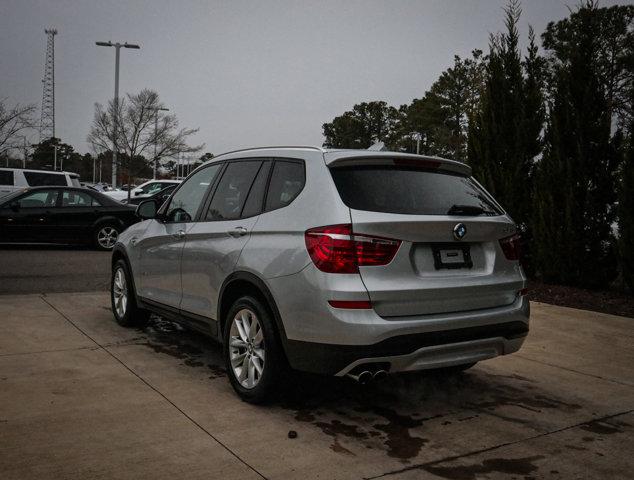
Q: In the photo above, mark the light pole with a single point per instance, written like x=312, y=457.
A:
x=117, y=47
x=156, y=114
x=418, y=137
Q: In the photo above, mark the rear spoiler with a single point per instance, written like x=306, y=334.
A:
x=342, y=158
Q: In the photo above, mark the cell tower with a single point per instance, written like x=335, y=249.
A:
x=47, y=121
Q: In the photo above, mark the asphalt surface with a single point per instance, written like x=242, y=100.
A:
x=53, y=269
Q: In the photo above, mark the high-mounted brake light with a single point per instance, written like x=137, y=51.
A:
x=336, y=249
x=511, y=246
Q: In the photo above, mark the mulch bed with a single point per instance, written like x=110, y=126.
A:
x=604, y=301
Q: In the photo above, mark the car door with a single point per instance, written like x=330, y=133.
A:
x=74, y=218
x=160, y=247
x=29, y=218
x=213, y=244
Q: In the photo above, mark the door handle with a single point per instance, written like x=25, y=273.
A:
x=238, y=232
x=180, y=234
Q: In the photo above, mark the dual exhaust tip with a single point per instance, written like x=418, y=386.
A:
x=367, y=376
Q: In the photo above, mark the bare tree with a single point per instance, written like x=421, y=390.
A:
x=136, y=135
x=14, y=120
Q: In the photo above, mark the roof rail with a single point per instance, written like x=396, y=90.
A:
x=272, y=147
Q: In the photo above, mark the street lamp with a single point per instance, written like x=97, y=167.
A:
x=418, y=137
x=156, y=114
x=117, y=46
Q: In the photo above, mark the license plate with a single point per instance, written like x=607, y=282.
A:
x=450, y=256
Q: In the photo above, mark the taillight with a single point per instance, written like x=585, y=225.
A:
x=336, y=249
x=511, y=246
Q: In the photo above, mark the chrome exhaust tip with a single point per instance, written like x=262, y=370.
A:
x=362, y=378
x=380, y=375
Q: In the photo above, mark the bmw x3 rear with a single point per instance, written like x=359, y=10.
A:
x=338, y=262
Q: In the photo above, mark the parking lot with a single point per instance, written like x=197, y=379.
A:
x=81, y=397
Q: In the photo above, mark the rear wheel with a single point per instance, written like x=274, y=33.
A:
x=106, y=236
x=253, y=354
x=124, y=306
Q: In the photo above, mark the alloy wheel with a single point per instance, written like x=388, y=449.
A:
x=120, y=293
x=246, y=348
x=107, y=237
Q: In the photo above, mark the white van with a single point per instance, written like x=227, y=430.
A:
x=12, y=179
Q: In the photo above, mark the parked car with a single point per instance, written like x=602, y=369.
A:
x=144, y=190
x=339, y=262
x=63, y=215
x=12, y=179
x=159, y=196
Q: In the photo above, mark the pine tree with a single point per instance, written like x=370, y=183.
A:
x=504, y=134
x=626, y=214
x=575, y=187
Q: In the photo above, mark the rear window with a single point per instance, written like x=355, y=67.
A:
x=41, y=179
x=6, y=177
x=411, y=191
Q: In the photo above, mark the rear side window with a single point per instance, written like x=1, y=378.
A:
x=6, y=177
x=232, y=190
x=412, y=191
x=75, y=198
x=253, y=205
x=40, y=179
x=287, y=181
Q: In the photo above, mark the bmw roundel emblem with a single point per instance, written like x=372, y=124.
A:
x=459, y=231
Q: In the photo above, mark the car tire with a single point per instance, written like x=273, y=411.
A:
x=264, y=364
x=122, y=298
x=105, y=236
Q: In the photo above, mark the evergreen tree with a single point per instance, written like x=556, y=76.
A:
x=575, y=188
x=504, y=136
x=365, y=124
x=626, y=214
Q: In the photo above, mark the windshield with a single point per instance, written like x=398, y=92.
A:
x=412, y=191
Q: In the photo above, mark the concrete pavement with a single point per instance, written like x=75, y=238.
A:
x=83, y=398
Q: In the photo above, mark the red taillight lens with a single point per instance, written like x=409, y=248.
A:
x=511, y=246
x=335, y=249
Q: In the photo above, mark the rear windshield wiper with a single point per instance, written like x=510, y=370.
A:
x=468, y=210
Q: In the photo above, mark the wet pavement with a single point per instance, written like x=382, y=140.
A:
x=81, y=397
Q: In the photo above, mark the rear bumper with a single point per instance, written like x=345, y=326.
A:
x=411, y=352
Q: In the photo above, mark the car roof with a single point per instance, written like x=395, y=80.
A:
x=54, y=172
x=351, y=157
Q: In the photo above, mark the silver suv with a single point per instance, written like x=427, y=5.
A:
x=339, y=262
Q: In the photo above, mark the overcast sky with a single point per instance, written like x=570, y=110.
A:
x=247, y=73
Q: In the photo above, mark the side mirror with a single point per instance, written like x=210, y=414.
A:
x=137, y=192
x=147, y=209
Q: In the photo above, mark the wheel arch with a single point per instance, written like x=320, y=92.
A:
x=244, y=283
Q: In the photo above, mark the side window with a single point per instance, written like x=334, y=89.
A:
x=6, y=177
x=253, y=205
x=187, y=199
x=43, y=179
x=286, y=182
x=75, y=198
x=152, y=188
x=38, y=199
x=232, y=190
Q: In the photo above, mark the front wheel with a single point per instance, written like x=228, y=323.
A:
x=123, y=302
x=106, y=236
x=253, y=354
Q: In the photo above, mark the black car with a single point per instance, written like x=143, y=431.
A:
x=159, y=197
x=63, y=215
